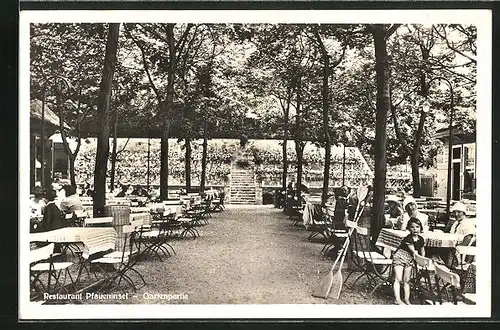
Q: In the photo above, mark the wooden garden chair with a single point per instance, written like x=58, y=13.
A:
x=117, y=265
x=42, y=261
x=372, y=264
x=448, y=289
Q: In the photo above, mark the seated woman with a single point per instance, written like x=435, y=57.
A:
x=463, y=227
x=71, y=202
x=341, y=205
x=124, y=191
x=411, y=211
x=37, y=203
x=53, y=218
x=139, y=191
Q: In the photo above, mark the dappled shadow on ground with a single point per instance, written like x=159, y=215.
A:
x=246, y=255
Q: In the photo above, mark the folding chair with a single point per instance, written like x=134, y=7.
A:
x=464, y=257
x=42, y=262
x=218, y=204
x=155, y=237
x=421, y=282
x=116, y=265
x=198, y=215
x=337, y=236
x=373, y=265
x=76, y=219
x=449, y=282
x=320, y=224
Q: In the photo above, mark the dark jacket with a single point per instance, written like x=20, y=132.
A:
x=53, y=218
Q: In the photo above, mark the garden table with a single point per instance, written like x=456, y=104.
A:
x=391, y=238
x=310, y=210
x=94, y=239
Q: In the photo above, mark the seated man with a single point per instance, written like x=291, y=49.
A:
x=393, y=210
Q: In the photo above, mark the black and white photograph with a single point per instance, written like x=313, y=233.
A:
x=255, y=164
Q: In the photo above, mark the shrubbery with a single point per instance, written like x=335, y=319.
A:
x=267, y=155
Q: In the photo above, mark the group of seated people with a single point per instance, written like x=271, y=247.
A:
x=52, y=205
x=398, y=217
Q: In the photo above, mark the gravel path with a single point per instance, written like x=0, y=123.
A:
x=246, y=255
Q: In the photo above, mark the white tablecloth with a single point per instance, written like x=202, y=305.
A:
x=391, y=238
x=94, y=239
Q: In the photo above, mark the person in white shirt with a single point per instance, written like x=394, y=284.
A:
x=37, y=203
x=463, y=227
x=411, y=211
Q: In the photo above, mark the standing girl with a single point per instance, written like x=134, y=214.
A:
x=403, y=260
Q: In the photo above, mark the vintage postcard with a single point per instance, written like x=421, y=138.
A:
x=189, y=164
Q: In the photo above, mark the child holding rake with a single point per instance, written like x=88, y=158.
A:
x=403, y=260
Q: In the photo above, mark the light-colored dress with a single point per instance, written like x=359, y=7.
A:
x=403, y=220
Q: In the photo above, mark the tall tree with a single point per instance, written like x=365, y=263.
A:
x=161, y=38
x=103, y=114
x=327, y=68
x=380, y=33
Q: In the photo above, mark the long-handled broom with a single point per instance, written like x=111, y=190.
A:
x=325, y=286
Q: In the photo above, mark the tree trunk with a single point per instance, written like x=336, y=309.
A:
x=328, y=143
x=299, y=150
x=285, y=142
x=383, y=105
x=204, y=157
x=298, y=140
x=164, y=162
x=103, y=115
x=187, y=161
x=71, y=155
x=415, y=174
x=167, y=112
x=113, y=152
x=72, y=175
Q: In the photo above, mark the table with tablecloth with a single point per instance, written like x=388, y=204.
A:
x=309, y=212
x=94, y=239
x=391, y=238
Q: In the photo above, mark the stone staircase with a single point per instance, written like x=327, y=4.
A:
x=242, y=189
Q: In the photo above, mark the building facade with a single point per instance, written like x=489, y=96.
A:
x=463, y=165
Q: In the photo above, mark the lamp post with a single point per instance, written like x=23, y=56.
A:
x=42, y=134
x=450, y=143
x=42, y=137
x=149, y=153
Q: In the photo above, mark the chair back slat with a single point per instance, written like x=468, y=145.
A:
x=137, y=223
x=42, y=253
x=127, y=229
x=362, y=231
x=97, y=221
x=447, y=275
x=350, y=224
x=172, y=202
x=424, y=262
x=466, y=250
